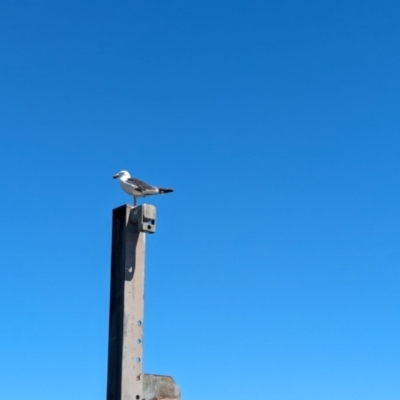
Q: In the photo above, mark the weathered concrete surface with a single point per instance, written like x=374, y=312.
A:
x=160, y=387
x=125, y=349
x=125, y=380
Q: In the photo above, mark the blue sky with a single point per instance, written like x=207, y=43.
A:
x=274, y=272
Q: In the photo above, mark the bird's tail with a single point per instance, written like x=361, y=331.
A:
x=165, y=190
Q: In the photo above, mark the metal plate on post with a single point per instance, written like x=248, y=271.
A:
x=144, y=217
x=132, y=351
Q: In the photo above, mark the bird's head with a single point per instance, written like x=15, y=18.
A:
x=122, y=174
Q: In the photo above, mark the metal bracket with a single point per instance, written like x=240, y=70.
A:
x=144, y=217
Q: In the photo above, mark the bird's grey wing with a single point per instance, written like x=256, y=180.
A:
x=141, y=186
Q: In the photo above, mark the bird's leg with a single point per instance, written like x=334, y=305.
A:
x=134, y=200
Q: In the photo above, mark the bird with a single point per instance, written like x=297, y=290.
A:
x=136, y=187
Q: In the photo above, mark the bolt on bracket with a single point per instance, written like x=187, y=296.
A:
x=144, y=217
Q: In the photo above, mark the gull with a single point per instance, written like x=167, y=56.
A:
x=137, y=188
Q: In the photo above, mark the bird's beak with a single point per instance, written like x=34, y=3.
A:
x=116, y=176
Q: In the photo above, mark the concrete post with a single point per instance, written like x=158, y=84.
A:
x=125, y=343
x=125, y=380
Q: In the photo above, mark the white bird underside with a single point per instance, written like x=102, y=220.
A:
x=136, y=187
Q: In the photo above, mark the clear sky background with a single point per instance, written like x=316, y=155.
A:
x=274, y=272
